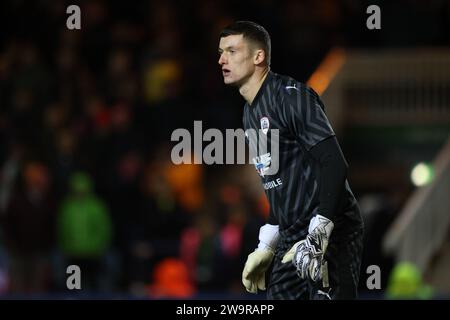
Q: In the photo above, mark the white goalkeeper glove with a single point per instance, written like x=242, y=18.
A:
x=253, y=275
x=308, y=255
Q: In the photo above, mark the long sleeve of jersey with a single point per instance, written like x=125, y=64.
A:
x=333, y=173
x=306, y=119
x=272, y=219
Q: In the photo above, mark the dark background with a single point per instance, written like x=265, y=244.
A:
x=104, y=101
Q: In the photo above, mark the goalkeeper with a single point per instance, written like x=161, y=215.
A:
x=311, y=246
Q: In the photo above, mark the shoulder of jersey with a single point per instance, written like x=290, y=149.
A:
x=290, y=85
x=294, y=87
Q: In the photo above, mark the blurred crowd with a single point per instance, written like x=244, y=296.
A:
x=86, y=118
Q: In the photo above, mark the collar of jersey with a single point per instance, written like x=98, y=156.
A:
x=261, y=90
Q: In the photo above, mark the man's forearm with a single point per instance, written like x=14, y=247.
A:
x=333, y=173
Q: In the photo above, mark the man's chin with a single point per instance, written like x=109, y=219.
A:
x=230, y=82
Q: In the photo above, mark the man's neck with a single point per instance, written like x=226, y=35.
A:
x=250, y=89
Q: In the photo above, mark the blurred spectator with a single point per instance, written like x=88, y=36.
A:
x=9, y=173
x=171, y=280
x=84, y=230
x=202, y=251
x=121, y=81
x=64, y=160
x=186, y=182
x=28, y=225
x=405, y=282
x=154, y=228
x=231, y=235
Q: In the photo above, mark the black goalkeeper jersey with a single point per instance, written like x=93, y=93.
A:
x=293, y=190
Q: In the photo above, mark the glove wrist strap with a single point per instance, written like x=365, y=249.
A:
x=322, y=225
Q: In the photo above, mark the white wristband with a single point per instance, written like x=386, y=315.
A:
x=268, y=237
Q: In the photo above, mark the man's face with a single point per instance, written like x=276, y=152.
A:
x=236, y=59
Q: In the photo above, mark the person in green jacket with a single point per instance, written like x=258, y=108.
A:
x=84, y=229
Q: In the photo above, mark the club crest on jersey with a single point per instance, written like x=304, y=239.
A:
x=264, y=125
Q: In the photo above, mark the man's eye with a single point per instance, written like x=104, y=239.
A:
x=232, y=51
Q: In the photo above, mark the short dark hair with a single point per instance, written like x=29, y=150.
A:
x=252, y=31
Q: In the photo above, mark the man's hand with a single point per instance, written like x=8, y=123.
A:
x=308, y=255
x=253, y=276
x=254, y=273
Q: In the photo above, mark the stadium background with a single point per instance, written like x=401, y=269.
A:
x=85, y=123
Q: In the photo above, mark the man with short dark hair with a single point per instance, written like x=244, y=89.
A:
x=312, y=241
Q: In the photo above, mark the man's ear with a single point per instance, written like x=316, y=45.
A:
x=259, y=56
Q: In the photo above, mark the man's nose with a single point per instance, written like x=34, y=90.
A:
x=222, y=59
